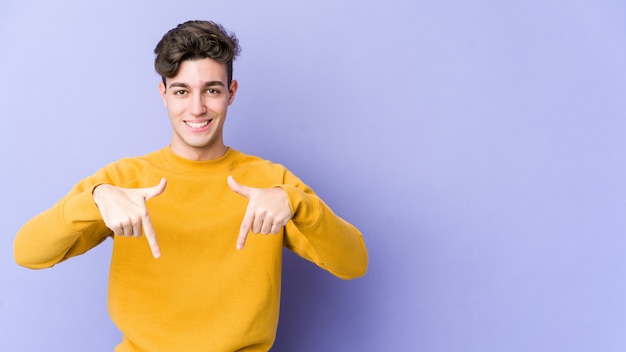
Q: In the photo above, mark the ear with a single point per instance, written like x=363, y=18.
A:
x=163, y=92
x=232, y=90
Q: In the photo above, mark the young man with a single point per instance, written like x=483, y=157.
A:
x=203, y=281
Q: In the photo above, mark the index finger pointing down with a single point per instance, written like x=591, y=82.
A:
x=151, y=237
x=246, y=225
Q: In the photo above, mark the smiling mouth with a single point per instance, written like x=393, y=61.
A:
x=197, y=124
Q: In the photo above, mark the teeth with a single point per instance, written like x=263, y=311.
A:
x=197, y=124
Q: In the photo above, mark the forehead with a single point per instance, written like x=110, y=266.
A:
x=199, y=71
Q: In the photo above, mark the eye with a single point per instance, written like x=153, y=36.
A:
x=180, y=92
x=213, y=91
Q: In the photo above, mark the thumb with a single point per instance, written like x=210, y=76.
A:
x=237, y=188
x=154, y=191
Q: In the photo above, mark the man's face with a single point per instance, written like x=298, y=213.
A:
x=197, y=99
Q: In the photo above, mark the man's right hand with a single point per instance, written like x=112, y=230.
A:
x=124, y=210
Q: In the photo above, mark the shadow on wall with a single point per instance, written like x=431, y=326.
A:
x=307, y=305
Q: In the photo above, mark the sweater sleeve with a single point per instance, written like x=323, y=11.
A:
x=319, y=235
x=71, y=227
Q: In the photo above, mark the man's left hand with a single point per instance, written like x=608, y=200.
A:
x=267, y=212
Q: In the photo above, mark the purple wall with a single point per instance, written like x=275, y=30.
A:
x=479, y=146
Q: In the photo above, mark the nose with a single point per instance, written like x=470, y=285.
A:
x=198, y=107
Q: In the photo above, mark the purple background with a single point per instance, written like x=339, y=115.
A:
x=478, y=145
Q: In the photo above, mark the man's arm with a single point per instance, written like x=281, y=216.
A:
x=312, y=230
x=319, y=235
x=82, y=219
x=71, y=227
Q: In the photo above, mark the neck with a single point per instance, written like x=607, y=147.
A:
x=200, y=154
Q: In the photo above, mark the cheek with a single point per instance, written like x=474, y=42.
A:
x=218, y=105
x=174, y=107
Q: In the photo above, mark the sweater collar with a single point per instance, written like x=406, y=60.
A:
x=179, y=164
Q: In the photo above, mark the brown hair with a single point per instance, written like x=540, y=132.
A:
x=194, y=40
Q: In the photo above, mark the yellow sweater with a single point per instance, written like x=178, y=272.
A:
x=202, y=294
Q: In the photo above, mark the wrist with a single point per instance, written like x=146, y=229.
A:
x=97, y=191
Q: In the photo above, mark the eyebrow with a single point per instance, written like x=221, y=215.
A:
x=206, y=84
